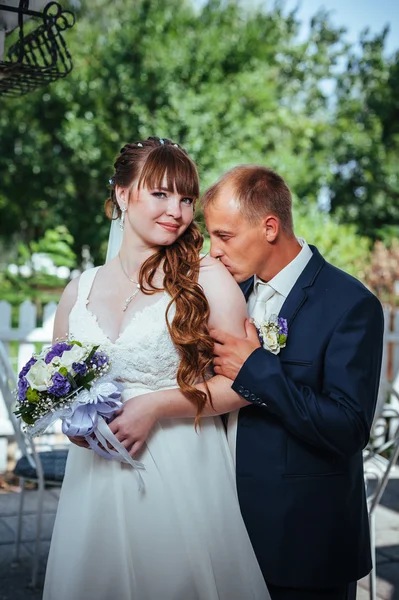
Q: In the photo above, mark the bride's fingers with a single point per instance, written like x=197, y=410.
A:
x=79, y=441
x=136, y=448
x=127, y=444
x=114, y=427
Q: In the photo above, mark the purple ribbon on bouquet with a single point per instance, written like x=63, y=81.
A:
x=90, y=413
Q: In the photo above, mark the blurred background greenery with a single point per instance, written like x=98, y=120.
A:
x=232, y=84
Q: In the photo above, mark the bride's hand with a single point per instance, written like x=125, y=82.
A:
x=134, y=421
x=79, y=441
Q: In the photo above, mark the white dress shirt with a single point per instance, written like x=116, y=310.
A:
x=265, y=300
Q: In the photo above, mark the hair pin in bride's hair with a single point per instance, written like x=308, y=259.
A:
x=111, y=180
x=162, y=141
x=140, y=145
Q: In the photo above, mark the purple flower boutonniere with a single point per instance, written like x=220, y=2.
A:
x=273, y=333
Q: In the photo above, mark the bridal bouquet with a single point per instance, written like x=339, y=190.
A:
x=69, y=381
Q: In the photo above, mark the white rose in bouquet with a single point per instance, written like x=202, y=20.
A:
x=39, y=375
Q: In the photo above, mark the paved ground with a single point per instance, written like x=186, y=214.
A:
x=14, y=579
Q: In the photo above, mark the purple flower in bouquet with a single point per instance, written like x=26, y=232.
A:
x=68, y=382
x=99, y=359
x=61, y=385
x=80, y=368
x=57, y=350
x=22, y=387
x=26, y=368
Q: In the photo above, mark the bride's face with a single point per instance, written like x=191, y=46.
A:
x=158, y=216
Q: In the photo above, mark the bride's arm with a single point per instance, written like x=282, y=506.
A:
x=65, y=305
x=227, y=313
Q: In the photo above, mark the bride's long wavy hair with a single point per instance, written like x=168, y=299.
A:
x=148, y=162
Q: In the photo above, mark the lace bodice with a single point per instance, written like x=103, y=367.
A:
x=143, y=356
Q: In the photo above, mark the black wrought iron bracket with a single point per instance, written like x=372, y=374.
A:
x=41, y=56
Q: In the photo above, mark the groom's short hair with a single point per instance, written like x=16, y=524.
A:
x=258, y=190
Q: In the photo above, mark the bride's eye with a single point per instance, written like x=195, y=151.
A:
x=188, y=200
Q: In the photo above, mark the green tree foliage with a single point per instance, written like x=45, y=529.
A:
x=231, y=84
x=364, y=177
x=339, y=244
x=34, y=274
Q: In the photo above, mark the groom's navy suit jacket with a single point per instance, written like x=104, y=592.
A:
x=299, y=446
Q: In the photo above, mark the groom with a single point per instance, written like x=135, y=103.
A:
x=299, y=444
x=308, y=409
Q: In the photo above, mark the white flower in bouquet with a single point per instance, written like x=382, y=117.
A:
x=270, y=338
x=74, y=355
x=39, y=376
x=68, y=381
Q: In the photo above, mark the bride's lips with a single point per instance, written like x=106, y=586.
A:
x=169, y=226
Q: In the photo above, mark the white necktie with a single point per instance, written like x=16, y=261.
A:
x=264, y=292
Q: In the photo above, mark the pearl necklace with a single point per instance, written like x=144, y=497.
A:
x=136, y=291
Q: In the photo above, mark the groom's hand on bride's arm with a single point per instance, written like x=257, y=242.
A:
x=135, y=420
x=231, y=352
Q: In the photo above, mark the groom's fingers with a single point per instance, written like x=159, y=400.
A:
x=217, y=349
x=220, y=336
x=251, y=331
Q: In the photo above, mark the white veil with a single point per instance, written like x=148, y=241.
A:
x=115, y=237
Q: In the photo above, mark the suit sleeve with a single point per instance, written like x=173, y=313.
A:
x=338, y=418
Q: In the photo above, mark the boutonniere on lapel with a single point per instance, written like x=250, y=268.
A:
x=273, y=333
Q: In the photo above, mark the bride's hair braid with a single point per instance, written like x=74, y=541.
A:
x=148, y=162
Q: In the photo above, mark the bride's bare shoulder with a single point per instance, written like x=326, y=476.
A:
x=69, y=296
x=207, y=262
x=225, y=299
x=213, y=274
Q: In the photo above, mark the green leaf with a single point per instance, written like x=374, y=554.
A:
x=32, y=395
x=27, y=419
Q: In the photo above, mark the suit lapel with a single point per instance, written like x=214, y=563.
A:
x=247, y=287
x=298, y=295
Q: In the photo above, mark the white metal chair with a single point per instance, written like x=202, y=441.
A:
x=379, y=457
x=43, y=468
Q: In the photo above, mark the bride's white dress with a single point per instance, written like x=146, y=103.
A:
x=182, y=537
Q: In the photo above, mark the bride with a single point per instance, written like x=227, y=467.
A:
x=149, y=308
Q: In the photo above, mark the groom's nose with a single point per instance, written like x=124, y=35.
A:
x=215, y=252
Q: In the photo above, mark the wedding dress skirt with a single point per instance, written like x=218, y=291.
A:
x=182, y=537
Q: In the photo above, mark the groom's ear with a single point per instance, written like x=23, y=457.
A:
x=271, y=226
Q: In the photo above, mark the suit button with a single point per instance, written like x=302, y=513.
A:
x=252, y=397
x=240, y=389
x=246, y=394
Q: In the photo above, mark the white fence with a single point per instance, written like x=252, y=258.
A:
x=23, y=340
x=21, y=343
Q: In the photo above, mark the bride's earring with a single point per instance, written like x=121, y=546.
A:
x=122, y=218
